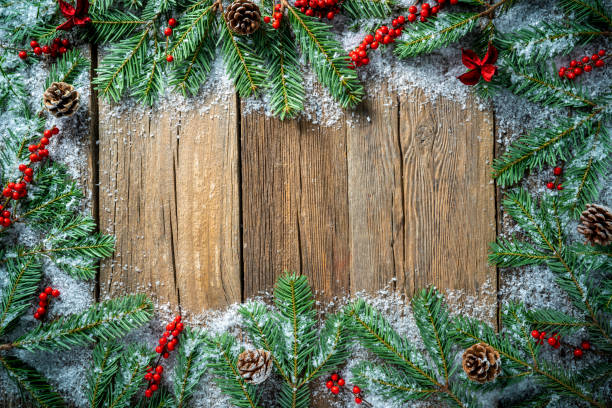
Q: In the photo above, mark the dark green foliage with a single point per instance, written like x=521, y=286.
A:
x=24, y=275
x=67, y=68
x=591, y=10
x=129, y=378
x=367, y=9
x=31, y=383
x=190, y=366
x=436, y=33
x=106, y=320
x=105, y=366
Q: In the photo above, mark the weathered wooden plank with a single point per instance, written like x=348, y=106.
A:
x=375, y=193
x=449, y=196
x=169, y=192
x=295, y=212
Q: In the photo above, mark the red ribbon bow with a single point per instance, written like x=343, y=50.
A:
x=478, y=67
x=76, y=16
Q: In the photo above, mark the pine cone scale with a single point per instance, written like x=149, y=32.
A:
x=481, y=363
x=243, y=17
x=61, y=99
x=596, y=224
x=255, y=366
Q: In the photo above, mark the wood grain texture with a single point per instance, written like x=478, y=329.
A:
x=169, y=192
x=375, y=196
x=295, y=211
x=449, y=195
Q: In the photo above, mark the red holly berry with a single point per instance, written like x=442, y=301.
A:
x=266, y=19
x=577, y=71
x=48, y=290
x=166, y=355
x=557, y=171
x=43, y=296
x=412, y=9
x=148, y=393
x=335, y=390
x=374, y=45
x=156, y=377
x=65, y=42
x=41, y=311
x=36, y=316
x=177, y=319
x=570, y=75
x=169, y=58
x=588, y=68
x=585, y=60
x=168, y=32
x=550, y=185
x=358, y=400
x=55, y=130
x=33, y=44
x=341, y=382
x=37, y=51
x=55, y=293
x=552, y=341
x=573, y=63
x=535, y=334
x=602, y=53
x=559, y=187
x=412, y=17
x=425, y=6
x=23, y=55
x=172, y=22
x=28, y=172
x=154, y=387
x=577, y=353
x=329, y=384
x=159, y=369
x=585, y=345
x=599, y=63
x=335, y=377
x=356, y=390
x=159, y=349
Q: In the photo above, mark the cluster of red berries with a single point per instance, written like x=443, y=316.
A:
x=335, y=384
x=167, y=343
x=57, y=47
x=585, y=64
x=386, y=35
x=43, y=302
x=168, y=32
x=319, y=8
x=551, y=185
x=278, y=16
x=554, y=341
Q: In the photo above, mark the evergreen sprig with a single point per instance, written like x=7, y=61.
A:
x=105, y=366
x=24, y=275
x=592, y=10
x=367, y=9
x=67, y=68
x=190, y=365
x=130, y=376
x=106, y=320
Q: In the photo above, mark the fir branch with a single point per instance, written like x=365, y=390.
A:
x=586, y=9
x=585, y=172
x=326, y=56
x=24, y=275
x=514, y=253
x=154, y=8
x=31, y=382
x=67, y=68
x=367, y=9
x=436, y=33
x=542, y=146
x=196, y=26
x=242, y=62
x=149, y=83
x=130, y=376
x=117, y=70
x=542, y=42
x=538, y=85
x=552, y=320
x=105, y=365
x=223, y=357
x=106, y=320
x=190, y=365
x=110, y=26
x=432, y=319
x=390, y=383
x=286, y=82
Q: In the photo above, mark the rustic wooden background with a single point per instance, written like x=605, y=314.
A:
x=208, y=209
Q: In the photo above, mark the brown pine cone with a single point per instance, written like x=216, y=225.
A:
x=255, y=366
x=243, y=17
x=481, y=363
x=61, y=99
x=596, y=224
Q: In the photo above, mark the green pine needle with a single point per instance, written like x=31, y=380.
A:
x=367, y=9
x=67, y=68
x=592, y=10
x=24, y=275
x=105, y=366
x=190, y=365
x=31, y=382
x=130, y=376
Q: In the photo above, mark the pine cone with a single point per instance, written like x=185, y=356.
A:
x=596, y=224
x=481, y=363
x=243, y=17
x=255, y=366
x=61, y=99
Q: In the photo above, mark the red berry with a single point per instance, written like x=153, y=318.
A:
x=577, y=71
x=6, y=222
x=43, y=153
x=32, y=148
x=169, y=58
x=266, y=19
x=552, y=341
x=356, y=390
x=156, y=377
x=163, y=341
x=177, y=319
x=154, y=387
x=369, y=39
x=365, y=61
x=588, y=68
x=159, y=369
x=401, y=20
x=423, y=19
x=43, y=296
x=586, y=345
x=341, y=382
x=412, y=9
x=559, y=187
x=46, y=49
x=48, y=290
x=159, y=349
x=33, y=44
x=166, y=355
x=276, y=23
x=65, y=42
x=329, y=384
x=23, y=55
x=577, y=353
x=585, y=60
x=412, y=17
x=172, y=22
x=62, y=50
x=599, y=63
x=602, y=53
x=394, y=23
x=374, y=45
x=22, y=167
x=36, y=316
x=550, y=185
x=435, y=9
x=573, y=63
x=168, y=32
x=55, y=130
x=148, y=376
x=37, y=50
x=454, y=1
x=55, y=293
x=34, y=158
x=535, y=334
x=570, y=75
x=358, y=400
x=425, y=12
x=175, y=333
x=562, y=72
x=43, y=303
x=44, y=141
x=425, y=6
x=170, y=346
x=557, y=171
x=41, y=311
x=335, y=377
x=330, y=15
x=148, y=393
x=179, y=327
x=335, y=390
x=28, y=172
